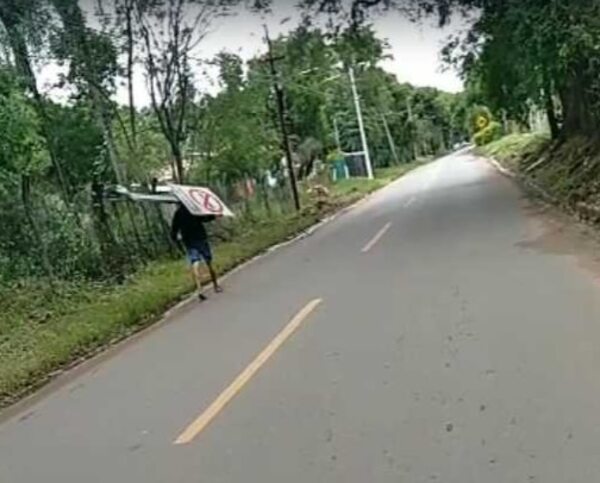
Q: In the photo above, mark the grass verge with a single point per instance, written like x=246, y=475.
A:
x=44, y=331
x=511, y=150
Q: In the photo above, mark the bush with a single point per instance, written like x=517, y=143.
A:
x=491, y=133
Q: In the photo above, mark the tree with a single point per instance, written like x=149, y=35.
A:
x=227, y=139
x=24, y=21
x=533, y=53
x=22, y=156
x=79, y=142
x=150, y=156
x=125, y=17
x=523, y=53
x=170, y=31
x=92, y=70
x=239, y=141
x=21, y=147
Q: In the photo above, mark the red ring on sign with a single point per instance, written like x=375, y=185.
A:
x=206, y=200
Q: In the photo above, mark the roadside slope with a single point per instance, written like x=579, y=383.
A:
x=566, y=173
x=44, y=329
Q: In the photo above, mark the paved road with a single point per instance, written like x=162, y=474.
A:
x=439, y=332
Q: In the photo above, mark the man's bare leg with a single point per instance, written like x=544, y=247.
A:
x=197, y=271
x=213, y=277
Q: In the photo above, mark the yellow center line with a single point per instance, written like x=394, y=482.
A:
x=376, y=238
x=212, y=411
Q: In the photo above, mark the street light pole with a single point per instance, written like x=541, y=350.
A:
x=281, y=112
x=361, y=127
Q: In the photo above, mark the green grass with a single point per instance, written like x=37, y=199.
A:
x=363, y=186
x=512, y=149
x=40, y=332
x=43, y=330
x=360, y=186
x=388, y=175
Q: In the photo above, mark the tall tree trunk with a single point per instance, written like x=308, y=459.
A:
x=178, y=170
x=552, y=119
x=577, y=117
x=130, y=60
x=550, y=108
x=107, y=132
x=75, y=29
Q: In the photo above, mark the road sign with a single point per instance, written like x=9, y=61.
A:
x=200, y=201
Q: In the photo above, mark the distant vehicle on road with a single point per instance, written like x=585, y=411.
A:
x=460, y=145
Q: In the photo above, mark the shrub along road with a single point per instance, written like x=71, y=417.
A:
x=437, y=332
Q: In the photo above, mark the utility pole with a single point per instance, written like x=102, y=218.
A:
x=361, y=127
x=389, y=138
x=281, y=112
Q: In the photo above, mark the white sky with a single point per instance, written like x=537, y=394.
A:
x=414, y=48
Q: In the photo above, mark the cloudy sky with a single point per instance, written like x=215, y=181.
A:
x=414, y=47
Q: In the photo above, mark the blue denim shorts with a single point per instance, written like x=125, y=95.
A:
x=199, y=252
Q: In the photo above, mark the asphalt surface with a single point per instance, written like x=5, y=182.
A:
x=454, y=337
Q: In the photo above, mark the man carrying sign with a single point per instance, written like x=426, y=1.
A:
x=195, y=240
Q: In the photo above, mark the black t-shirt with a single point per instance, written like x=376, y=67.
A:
x=191, y=227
